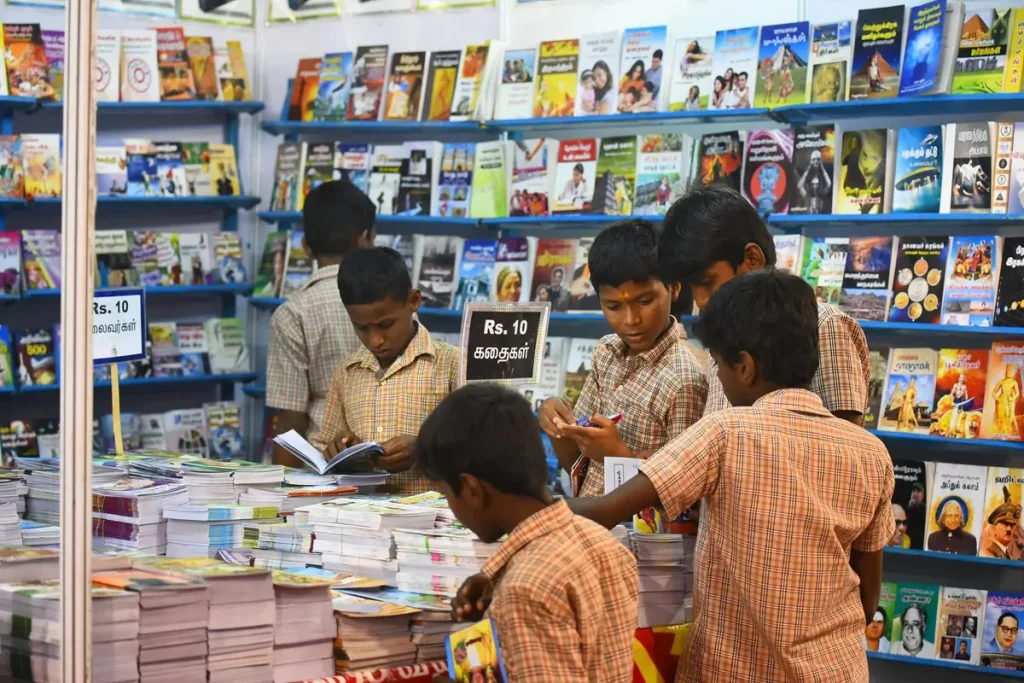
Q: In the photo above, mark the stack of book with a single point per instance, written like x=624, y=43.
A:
x=287, y=498
x=665, y=565
x=29, y=564
x=304, y=630
x=434, y=501
x=173, y=619
x=282, y=545
x=371, y=634
x=37, y=534
x=207, y=487
x=430, y=629
x=42, y=502
x=437, y=561
x=202, y=530
x=10, y=529
x=13, y=489
x=128, y=513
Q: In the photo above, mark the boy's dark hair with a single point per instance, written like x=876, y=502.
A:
x=624, y=252
x=772, y=315
x=488, y=431
x=707, y=225
x=370, y=275
x=334, y=214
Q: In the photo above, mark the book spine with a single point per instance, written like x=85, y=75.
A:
x=1003, y=153
x=1013, y=73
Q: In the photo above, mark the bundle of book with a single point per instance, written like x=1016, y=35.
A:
x=665, y=567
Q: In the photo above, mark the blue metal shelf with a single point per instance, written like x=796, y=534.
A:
x=171, y=107
x=946, y=664
x=894, y=223
x=622, y=124
x=396, y=131
x=266, y=301
x=282, y=216
x=916, y=329
x=969, y=559
x=240, y=289
x=441, y=225
x=255, y=390
x=949, y=106
x=226, y=202
x=158, y=381
x=8, y=390
x=12, y=103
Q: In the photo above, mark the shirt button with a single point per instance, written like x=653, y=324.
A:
x=618, y=388
x=380, y=429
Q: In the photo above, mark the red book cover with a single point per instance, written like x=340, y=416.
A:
x=25, y=55
x=552, y=272
x=176, y=81
x=304, y=89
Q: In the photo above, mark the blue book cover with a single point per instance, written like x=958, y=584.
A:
x=334, y=87
x=474, y=284
x=971, y=281
x=919, y=280
x=455, y=180
x=142, y=171
x=876, y=53
x=924, y=48
x=782, y=64
x=352, y=163
x=918, y=186
x=734, y=67
x=474, y=654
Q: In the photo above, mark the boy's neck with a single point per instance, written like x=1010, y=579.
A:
x=328, y=261
x=415, y=329
x=517, y=509
x=669, y=322
x=763, y=388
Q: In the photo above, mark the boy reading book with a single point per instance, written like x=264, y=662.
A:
x=645, y=370
x=561, y=590
x=311, y=333
x=386, y=389
x=797, y=501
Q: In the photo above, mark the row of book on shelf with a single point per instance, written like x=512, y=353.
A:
x=887, y=52
x=184, y=349
x=132, y=65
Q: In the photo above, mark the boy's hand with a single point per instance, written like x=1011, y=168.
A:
x=339, y=443
x=398, y=453
x=473, y=598
x=554, y=415
x=600, y=441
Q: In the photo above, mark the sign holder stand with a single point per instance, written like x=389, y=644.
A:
x=115, y=408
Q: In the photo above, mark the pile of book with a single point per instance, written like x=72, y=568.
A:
x=430, y=629
x=371, y=634
x=12, y=487
x=282, y=545
x=287, y=498
x=29, y=564
x=128, y=513
x=438, y=561
x=201, y=530
x=10, y=528
x=665, y=566
x=39, y=535
x=304, y=629
x=42, y=477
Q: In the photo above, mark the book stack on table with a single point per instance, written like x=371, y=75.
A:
x=201, y=530
x=665, y=565
x=304, y=629
x=437, y=561
x=371, y=634
x=128, y=512
x=10, y=524
x=282, y=545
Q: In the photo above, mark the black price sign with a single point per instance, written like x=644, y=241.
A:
x=500, y=342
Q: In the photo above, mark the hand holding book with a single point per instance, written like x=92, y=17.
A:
x=398, y=453
x=599, y=439
x=304, y=451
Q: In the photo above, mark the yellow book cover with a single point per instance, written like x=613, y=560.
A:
x=200, y=59
x=862, y=172
x=1003, y=415
x=1001, y=533
x=41, y=159
x=224, y=170
x=475, y=655
x=241, y=75
x=3, y=72
x=1013, y=75
x=556, y=78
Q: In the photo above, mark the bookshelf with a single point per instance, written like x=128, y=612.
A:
x=966, y=667
x=228, y=378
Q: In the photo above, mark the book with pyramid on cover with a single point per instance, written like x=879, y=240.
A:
x=981, y=57
x=877, y=52
x=783, y=60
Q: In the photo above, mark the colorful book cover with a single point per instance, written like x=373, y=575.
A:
x=224, y=170
x=557, y=65
x=352, y=163
x=41, y=256
x=923, y=52
x=139, y=72
x=662, y=172
x=967, y=172
x=831, y=55
x=909, y=503
x=913, y=624
x=959, y=393
x=176, y=78
x=878, y=632
x=721, y=159
x=6, y=357
x=53, y=46
x=299, y=267
x=876, y=53
x=867, y=278
x=789, y=250
x=470, y=78
x=305, y=89
x=108, y=52
x=597, y=87
x=27, y=70
x=287, y=177
x=475, y=272
x=512, y=270
x=455, y=181
x=981, y=58
x=515, y=94
x=141, y=173
x=782, y=64
x=1009, y=310
x=194, y=250
x=37, y=362
x=1002, y=535
x=368, y=71
x=814, y=157
x=111, y=171
x=186, y=433
x=385, y=176
x=143, y=252
x=474, y=654
x=196, y=157
x=957, y=636
x=168, y=258
x=918, y=186
x=583, y=295
x=223, y=424
x=1001, y=646
x=862, y=172
x=415, y=187
x=616, y=176
x=42, y=161
x=581, y=352
x=114, y=261
x=10, y=262
x=12, y=168
x=735, y=68
x=204, y=71
x=317, y=168
x=333, y=87
x=767, y=179
x=227, y=259
x=437, y=268
x=488, y=193
x=233, y=74
x=270, y=274
x=971, y=281
x=1013, y=76
x=956, y=508
x=909, y=391
x=530, y=179
x=170, y=168
x=919, y=280
x=1003, y=416
x=823, y=266
x=642, y=69
x=575, y=176
x=405, y=86
x=552, y=272
x=440, y=89
x=692, y=74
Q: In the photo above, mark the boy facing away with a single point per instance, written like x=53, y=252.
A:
x=645, y=370
x=562, y=591
x=796, y=501
x=311, y=333
x=386, y=389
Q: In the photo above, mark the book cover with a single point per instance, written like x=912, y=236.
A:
x=1013, y=76
x=515, y=94
x=287, y=176
x=227, y=259
x=470, y=78
x=113, y=260
x=42, y=164
x=814, y=157
x=721, y=159
x=971, y=281
x=223, y=425
x=305, y=88
x=552, y=270
x=475, y=272
x=405, y=86
x=10, y=262
x=662, y=172
x=224, y=170
x=767, y=177
x=194, y=249
x=1001, y=647
x=1009, y=309
x=403, y=244
x=455, y=181
x=830, y=58
x=862, y=172
x=913, y=624
x=108, y=52
x=981, y=57
x=176, y=78
x=556, y=80
x=641, y=69
x=488, y=193
x=317, y=168
x=616, y=176
x=139, y=72
x=530, y=177
x=41, y=256
x=352, y=163
x=957, y=636
x=967, y=169
x=782, y=64
x=1003, y=416
x=876, y=53
x=233, y=74
x=474, y=654
x=1002, y=536
x=909, y=503
x=111, y=171
x=270, y=273
x=918, y=185
x=923, y=52
x=333, y=87
x=37, y=361
x=575, y=175
x=141, y=173
x=226, y=337
x=735, y=68
x=204, y=71
x=789, y=250
x=186, y=432
x=583, y=296
x=12, y=173
x=168, y=259
x=53, y=46
x=437, y=268
x=27, y=70
x=299, y=267
x=368, y=70
x=878, y=632
x=385, y=176
x=909, y=391
x=415, y=186
x=512, y=269
x=867, y=278
x=6, y=357
x=692, y=74
x=956, y=507
x=597, y=87
x=552, y=373
x=170, y=169
x=823, y=266
x=196, y=157
x=578, y=367
x=919, y=280
x=442, y=75
x=959, y=393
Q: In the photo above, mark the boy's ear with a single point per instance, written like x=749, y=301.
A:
x=415, y=300
x=305, y=248
x=674, y=289
x=753, y=258
x=471, y=491
x=364, y=240
x=747, y=367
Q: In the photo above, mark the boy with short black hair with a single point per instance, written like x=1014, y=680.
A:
x=797, y=501
x=562, y=591
x=386, y=389
x=645, y=370
x=310, y=334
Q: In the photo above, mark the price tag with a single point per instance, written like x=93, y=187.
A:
x=503, y=342
x=118, y=325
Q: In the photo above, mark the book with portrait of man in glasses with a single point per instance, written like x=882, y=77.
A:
x=910, y=502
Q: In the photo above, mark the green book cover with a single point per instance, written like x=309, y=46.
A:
x=270, y=274
x=488, y=197
x=878, y=632
x=913, y=623
x=616, y=176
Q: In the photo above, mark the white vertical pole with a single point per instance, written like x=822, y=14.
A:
x=78, y=218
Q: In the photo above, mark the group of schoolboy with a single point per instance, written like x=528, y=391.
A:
x=795, y=493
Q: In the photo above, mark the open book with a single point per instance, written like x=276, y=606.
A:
x=307, y=453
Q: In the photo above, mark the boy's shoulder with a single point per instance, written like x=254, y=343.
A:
x=674, y=363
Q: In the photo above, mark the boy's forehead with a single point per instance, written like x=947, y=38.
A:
x=378, y=310
x=631, y=289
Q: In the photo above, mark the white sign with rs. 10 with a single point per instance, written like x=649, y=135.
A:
x=118, y=325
